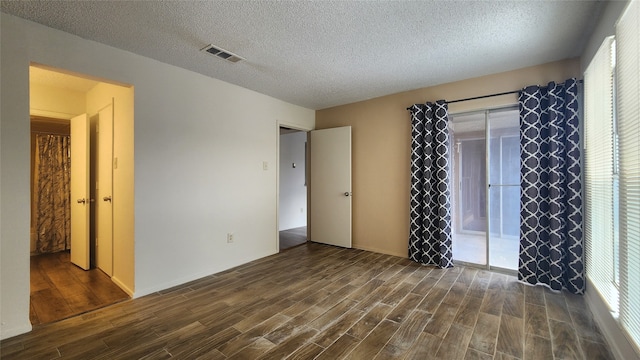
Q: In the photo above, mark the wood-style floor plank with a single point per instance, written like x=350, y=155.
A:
x=511, y=336
x=60, y=289
x=318, y=302
x=485, y=333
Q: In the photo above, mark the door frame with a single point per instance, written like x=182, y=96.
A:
x=281, y=124
x=103, y=245
x=128, y=119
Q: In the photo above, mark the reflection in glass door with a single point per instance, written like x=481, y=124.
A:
x=469, y=196
x=504, y=189
x=486, y=197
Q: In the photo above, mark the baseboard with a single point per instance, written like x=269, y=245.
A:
x=376, y=250
x=621, y=347
x=122, y=286
x=15, y=331
x=167, y=285
x=185, y=279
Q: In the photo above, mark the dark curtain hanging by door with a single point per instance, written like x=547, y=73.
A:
x=52, y=174
x=551, y=243
x=430, y=212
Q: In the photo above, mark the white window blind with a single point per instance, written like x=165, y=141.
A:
x=628, y=117
x=599, y=173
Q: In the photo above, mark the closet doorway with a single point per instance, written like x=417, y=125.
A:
x=60, y=287
x=486, y=200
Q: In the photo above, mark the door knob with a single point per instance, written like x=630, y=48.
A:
x=346, y=193
x=82, y=201
x=107, y=198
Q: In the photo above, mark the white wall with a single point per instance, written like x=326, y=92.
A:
x=199, y=145
x=293, y=191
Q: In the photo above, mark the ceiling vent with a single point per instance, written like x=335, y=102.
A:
x=221, y=53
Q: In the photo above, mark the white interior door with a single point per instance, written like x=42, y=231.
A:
x=80, y=199
x=331, y=186
x=104, y=191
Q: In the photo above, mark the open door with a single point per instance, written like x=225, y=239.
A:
x=80, y=199
x=331, y=186
x=104, y=190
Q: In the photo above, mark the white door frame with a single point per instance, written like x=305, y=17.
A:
x=280, y=124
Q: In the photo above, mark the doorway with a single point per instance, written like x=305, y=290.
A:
x=60, y=289
x=292, y=194
x=486, y=175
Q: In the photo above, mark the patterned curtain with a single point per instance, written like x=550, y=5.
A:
x=551, y=244
x=430, y=213
x=52, y=213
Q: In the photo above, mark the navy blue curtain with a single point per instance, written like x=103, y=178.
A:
x=430, y=212
x=551, y=243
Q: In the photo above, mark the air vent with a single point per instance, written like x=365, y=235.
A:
x=222, y=54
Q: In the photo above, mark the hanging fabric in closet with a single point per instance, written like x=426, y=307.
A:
x=551, y=243
x=52, y=175
x=430, y=212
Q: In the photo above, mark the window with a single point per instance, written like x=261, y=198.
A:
x=628, y=123
x=600, y=177
x=612, y=172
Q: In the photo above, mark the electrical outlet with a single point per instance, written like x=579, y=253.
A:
x=229, y=238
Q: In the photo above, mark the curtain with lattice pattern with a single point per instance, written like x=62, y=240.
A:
x=430, y=208
x=551, y=243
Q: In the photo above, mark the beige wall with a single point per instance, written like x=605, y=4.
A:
x=123, y=178
x=381, y=146
x=55, y=102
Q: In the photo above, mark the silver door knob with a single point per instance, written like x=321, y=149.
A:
x=82, y=201
x=346, y=193
x=107, y=198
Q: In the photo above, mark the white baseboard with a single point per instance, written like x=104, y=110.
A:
x=122, y=286
x=380, y=251
x=14, y=331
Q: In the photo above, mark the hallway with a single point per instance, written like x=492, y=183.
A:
x=293, y=237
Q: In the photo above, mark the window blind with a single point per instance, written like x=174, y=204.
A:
x=628, y=117
x=599, y=173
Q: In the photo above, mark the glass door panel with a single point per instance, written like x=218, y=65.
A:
x=469, y=188
x=504, y=188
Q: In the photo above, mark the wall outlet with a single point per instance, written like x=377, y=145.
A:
x=230, y=238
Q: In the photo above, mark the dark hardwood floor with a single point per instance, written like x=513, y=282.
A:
x=293, y=237
x=323, y=302
x=60, y=289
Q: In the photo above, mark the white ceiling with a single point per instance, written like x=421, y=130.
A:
x=320, y=54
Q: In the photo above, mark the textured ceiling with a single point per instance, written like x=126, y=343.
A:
x=320, y=54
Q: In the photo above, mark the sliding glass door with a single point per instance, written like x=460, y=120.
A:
x=504, y=188
x=486, y=199
x=469, y=205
